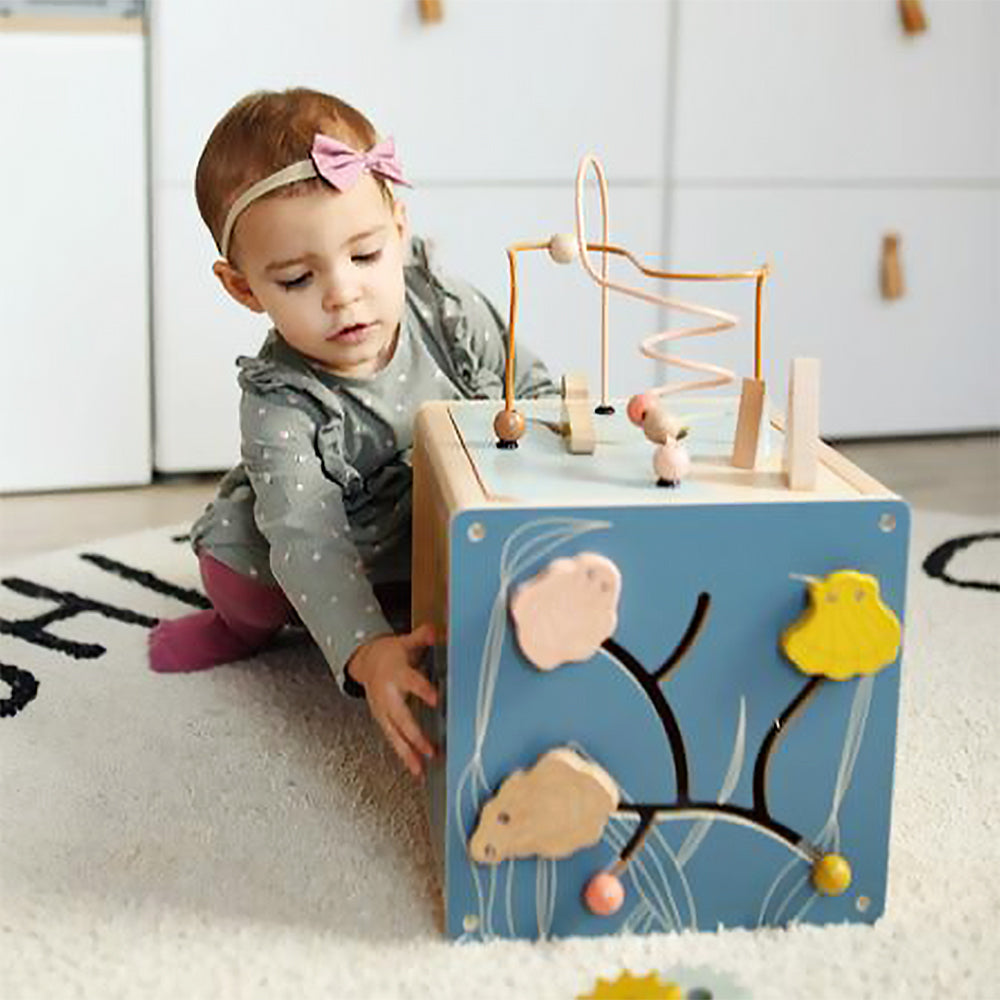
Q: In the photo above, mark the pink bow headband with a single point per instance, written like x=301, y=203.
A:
x=337, y=163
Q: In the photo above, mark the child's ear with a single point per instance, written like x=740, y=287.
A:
x=236, y=285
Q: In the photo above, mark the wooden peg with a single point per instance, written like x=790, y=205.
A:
x=911, y=13
x=891, y=270
x=431, y=11
x=802, y=425
x=748, y=424
x=577, y=416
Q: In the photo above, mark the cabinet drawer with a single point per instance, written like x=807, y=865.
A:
x=783, y=89
x=199, y=331
x=496, y=91
x=925, y=362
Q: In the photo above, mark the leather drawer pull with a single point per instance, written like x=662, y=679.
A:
x=911, y=13
x=431, y=11
x=891, y=272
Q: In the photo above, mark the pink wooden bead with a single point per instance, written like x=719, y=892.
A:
x=604, y=894
x=638, y=405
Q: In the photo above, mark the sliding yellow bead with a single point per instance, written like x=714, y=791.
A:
x=831, y=875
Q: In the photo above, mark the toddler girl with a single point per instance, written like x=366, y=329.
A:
x=314, y=524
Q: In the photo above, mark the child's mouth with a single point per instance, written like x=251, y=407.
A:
x=350, y=334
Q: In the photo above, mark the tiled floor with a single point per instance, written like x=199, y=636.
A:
x=949, y=474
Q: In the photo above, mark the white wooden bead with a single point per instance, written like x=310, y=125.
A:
x=562, y=248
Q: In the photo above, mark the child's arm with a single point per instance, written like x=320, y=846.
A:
x=299, y=509
x=488, y=340
x=473, y=332
x=386, y=669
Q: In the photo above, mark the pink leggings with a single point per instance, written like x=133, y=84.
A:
x=244, y=615
x=250, y=609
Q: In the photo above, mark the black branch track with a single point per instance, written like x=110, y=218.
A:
x=650, y=684
x=770, y=744
x=662, y=708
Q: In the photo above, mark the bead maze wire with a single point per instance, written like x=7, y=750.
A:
x=563, y=249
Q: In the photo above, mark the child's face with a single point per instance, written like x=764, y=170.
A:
x=327, y=268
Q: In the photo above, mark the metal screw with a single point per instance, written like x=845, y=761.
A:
x=887, y=522
x=476, y=532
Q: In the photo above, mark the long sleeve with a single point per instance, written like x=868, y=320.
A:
x=486, y=335
x=470, y=331
x=300, y=511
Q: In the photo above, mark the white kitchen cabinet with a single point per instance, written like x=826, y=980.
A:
x=498, y=91
x=773, y=90
x=75, y=406
x=806, y=131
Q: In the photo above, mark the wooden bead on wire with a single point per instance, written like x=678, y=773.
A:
x=604, y=894
x=658, y=425
x=638, y=406
x=563, y=248
x=508, y=425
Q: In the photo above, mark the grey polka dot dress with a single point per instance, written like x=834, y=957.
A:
x=321, y=503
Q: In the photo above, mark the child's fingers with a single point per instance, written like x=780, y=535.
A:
x=403, y=749
x=414, y=682
x=420, y=637
x=406, y=725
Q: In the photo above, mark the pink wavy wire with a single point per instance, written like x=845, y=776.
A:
x=648, y=347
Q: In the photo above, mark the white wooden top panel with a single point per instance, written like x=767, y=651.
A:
x=541, y=472
x=801, y=89
x=498, y=91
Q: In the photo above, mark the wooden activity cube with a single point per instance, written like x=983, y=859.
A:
x=749, y=791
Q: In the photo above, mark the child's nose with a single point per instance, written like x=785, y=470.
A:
x=341, y=290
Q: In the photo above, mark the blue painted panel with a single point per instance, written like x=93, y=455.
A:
x=502, y=713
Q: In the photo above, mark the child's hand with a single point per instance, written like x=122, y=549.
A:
x=386, y=668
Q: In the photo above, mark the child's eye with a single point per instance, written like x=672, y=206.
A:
x=300, y=282
x=367, y=258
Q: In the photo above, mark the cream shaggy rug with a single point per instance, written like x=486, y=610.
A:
x=243, y=832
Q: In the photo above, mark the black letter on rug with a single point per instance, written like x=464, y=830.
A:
x=148, y=580
x=34, y=630
x=936, y=564
x=23, y=688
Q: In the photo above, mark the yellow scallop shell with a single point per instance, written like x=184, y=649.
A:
x=846, y=630
x=629, y=987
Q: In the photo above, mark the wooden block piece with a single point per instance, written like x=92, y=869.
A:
x=574, y=386
x=749, y=424
x=554, y=809
x=802, y=430
x=577, y=415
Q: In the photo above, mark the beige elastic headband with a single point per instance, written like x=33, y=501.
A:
x=300, y=171
x=337, y=163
